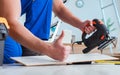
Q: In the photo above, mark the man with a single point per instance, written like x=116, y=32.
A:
x=36, y=28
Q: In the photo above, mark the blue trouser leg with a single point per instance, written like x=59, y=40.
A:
x=11, y=49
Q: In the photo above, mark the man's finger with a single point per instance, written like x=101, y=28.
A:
x=61, y=37
x=88, y=23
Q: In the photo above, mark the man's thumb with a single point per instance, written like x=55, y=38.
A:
x=61, y=37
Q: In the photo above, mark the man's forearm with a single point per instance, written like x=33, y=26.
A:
x=23, y=36
x=65, y=15
x=68, y=17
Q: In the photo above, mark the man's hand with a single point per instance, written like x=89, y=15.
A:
x=87, y=26
x=59, y=51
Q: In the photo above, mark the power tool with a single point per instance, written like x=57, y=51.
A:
x=100, y=37
x=3, y=34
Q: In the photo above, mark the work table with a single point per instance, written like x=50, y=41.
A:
x=88, y=69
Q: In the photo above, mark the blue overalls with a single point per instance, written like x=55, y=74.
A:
x=38, y=20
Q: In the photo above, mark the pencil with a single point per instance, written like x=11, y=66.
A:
x=108, y=62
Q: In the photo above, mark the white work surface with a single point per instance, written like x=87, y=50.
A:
x=89, y=69
x=73, y=58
